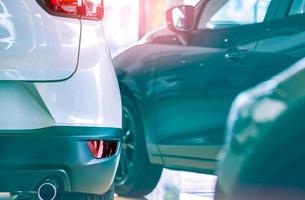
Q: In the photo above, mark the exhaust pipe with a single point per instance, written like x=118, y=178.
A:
x=47, y=191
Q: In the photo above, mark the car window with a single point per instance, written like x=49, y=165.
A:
x=229, y=13
x=297, y=7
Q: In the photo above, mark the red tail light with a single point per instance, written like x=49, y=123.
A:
x=102, y=149
x=85, y=9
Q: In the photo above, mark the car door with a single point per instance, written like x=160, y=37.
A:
x=196, y=83
x=282, y=42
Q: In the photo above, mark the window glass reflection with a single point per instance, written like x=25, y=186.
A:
x=236, y=12
x=298, y=7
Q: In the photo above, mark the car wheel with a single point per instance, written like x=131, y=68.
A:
x=109, y=195
x=136, y=176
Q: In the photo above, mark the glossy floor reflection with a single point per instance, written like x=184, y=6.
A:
x=176, y=185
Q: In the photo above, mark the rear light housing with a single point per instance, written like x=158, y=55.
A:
x=83, y=9
x=102, y=149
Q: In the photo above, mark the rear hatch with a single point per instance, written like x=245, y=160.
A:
x=35, y=45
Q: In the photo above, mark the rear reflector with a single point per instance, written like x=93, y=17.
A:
x=102, y=149
x=84, y=9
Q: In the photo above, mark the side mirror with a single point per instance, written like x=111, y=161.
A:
x=180, y=18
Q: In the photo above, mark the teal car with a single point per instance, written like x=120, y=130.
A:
x=178, y=83
x=264, y=155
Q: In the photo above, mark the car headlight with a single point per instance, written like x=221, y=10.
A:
x=251, y=110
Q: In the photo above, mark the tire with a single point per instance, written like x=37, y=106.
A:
x=109, y=195
x=136, y=176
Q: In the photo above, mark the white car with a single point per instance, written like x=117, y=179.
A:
x=60, y=105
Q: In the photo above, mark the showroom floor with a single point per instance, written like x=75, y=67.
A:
x=175, y=185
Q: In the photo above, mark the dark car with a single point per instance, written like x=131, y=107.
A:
x=264, y=157
x=178, y=83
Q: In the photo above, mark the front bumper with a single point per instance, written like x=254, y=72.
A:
x=27, y=158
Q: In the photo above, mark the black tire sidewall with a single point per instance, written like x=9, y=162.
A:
x=143, y=175
x=140, y=157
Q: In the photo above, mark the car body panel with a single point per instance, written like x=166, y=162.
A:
x=58, y=153
x=281, y=45
x=180, y=159
x=273, y=111
x=94, y=102
x=196, y=84
x=35, y=45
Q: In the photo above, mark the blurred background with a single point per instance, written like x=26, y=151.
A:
x=128, y=21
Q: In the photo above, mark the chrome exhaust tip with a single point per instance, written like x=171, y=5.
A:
x=47, y=191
